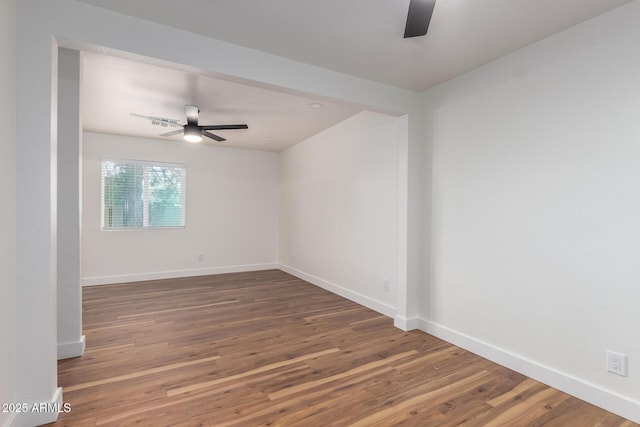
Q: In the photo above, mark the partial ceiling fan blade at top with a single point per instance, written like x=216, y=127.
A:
x=224, y=127
x=418, y=17
x=213, y=136
x=175, y=132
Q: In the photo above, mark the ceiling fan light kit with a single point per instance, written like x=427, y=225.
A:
x=192, y=133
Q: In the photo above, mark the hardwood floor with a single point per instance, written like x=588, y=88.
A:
x=268, y=349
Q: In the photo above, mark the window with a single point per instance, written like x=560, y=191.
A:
x=142, y=194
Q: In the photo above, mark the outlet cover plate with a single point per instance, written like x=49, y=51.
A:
x=617, y=363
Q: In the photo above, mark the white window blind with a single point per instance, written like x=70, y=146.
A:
x=142, y=194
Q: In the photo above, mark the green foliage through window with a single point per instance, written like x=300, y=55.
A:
x=142, y=194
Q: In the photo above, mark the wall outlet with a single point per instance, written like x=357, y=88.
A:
x=200, y=257
x=617, y=363
x=385, y=285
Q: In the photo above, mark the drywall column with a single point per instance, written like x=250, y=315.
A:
x=7, y=213
x=36, y=122
x=413, y=260
x=71, y=342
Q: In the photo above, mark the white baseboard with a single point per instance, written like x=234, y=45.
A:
x=371, y=303
x=40, y=412
x=588, y=392
x=71, y=349
x=406, y=324
x=174, y=274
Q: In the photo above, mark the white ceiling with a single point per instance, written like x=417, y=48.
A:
x=358, y=37
x=364, y=37
x=113, y=87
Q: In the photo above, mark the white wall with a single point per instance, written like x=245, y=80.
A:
x=338, y=225
x=231, y=213
x=7, y=213
x=71, y=342
x=536, y=209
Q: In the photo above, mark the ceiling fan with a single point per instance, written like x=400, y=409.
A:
x=418, y=18
x=193, y=132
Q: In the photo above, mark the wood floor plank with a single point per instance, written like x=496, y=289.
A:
x=139, y=374
x=265, y=348
x=514, y=393
x=362, y=368
x=171, y=310
x=528, y=410
x=383, y=416
x=192, y=387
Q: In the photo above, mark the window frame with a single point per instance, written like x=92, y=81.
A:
x=145, y=194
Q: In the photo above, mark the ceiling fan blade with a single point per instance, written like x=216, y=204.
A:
x=192, y=114
x=175, y=132
x=418, y=17
x=224, y=127
x=140, y=116
x=161, y=121
x=213, y=136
